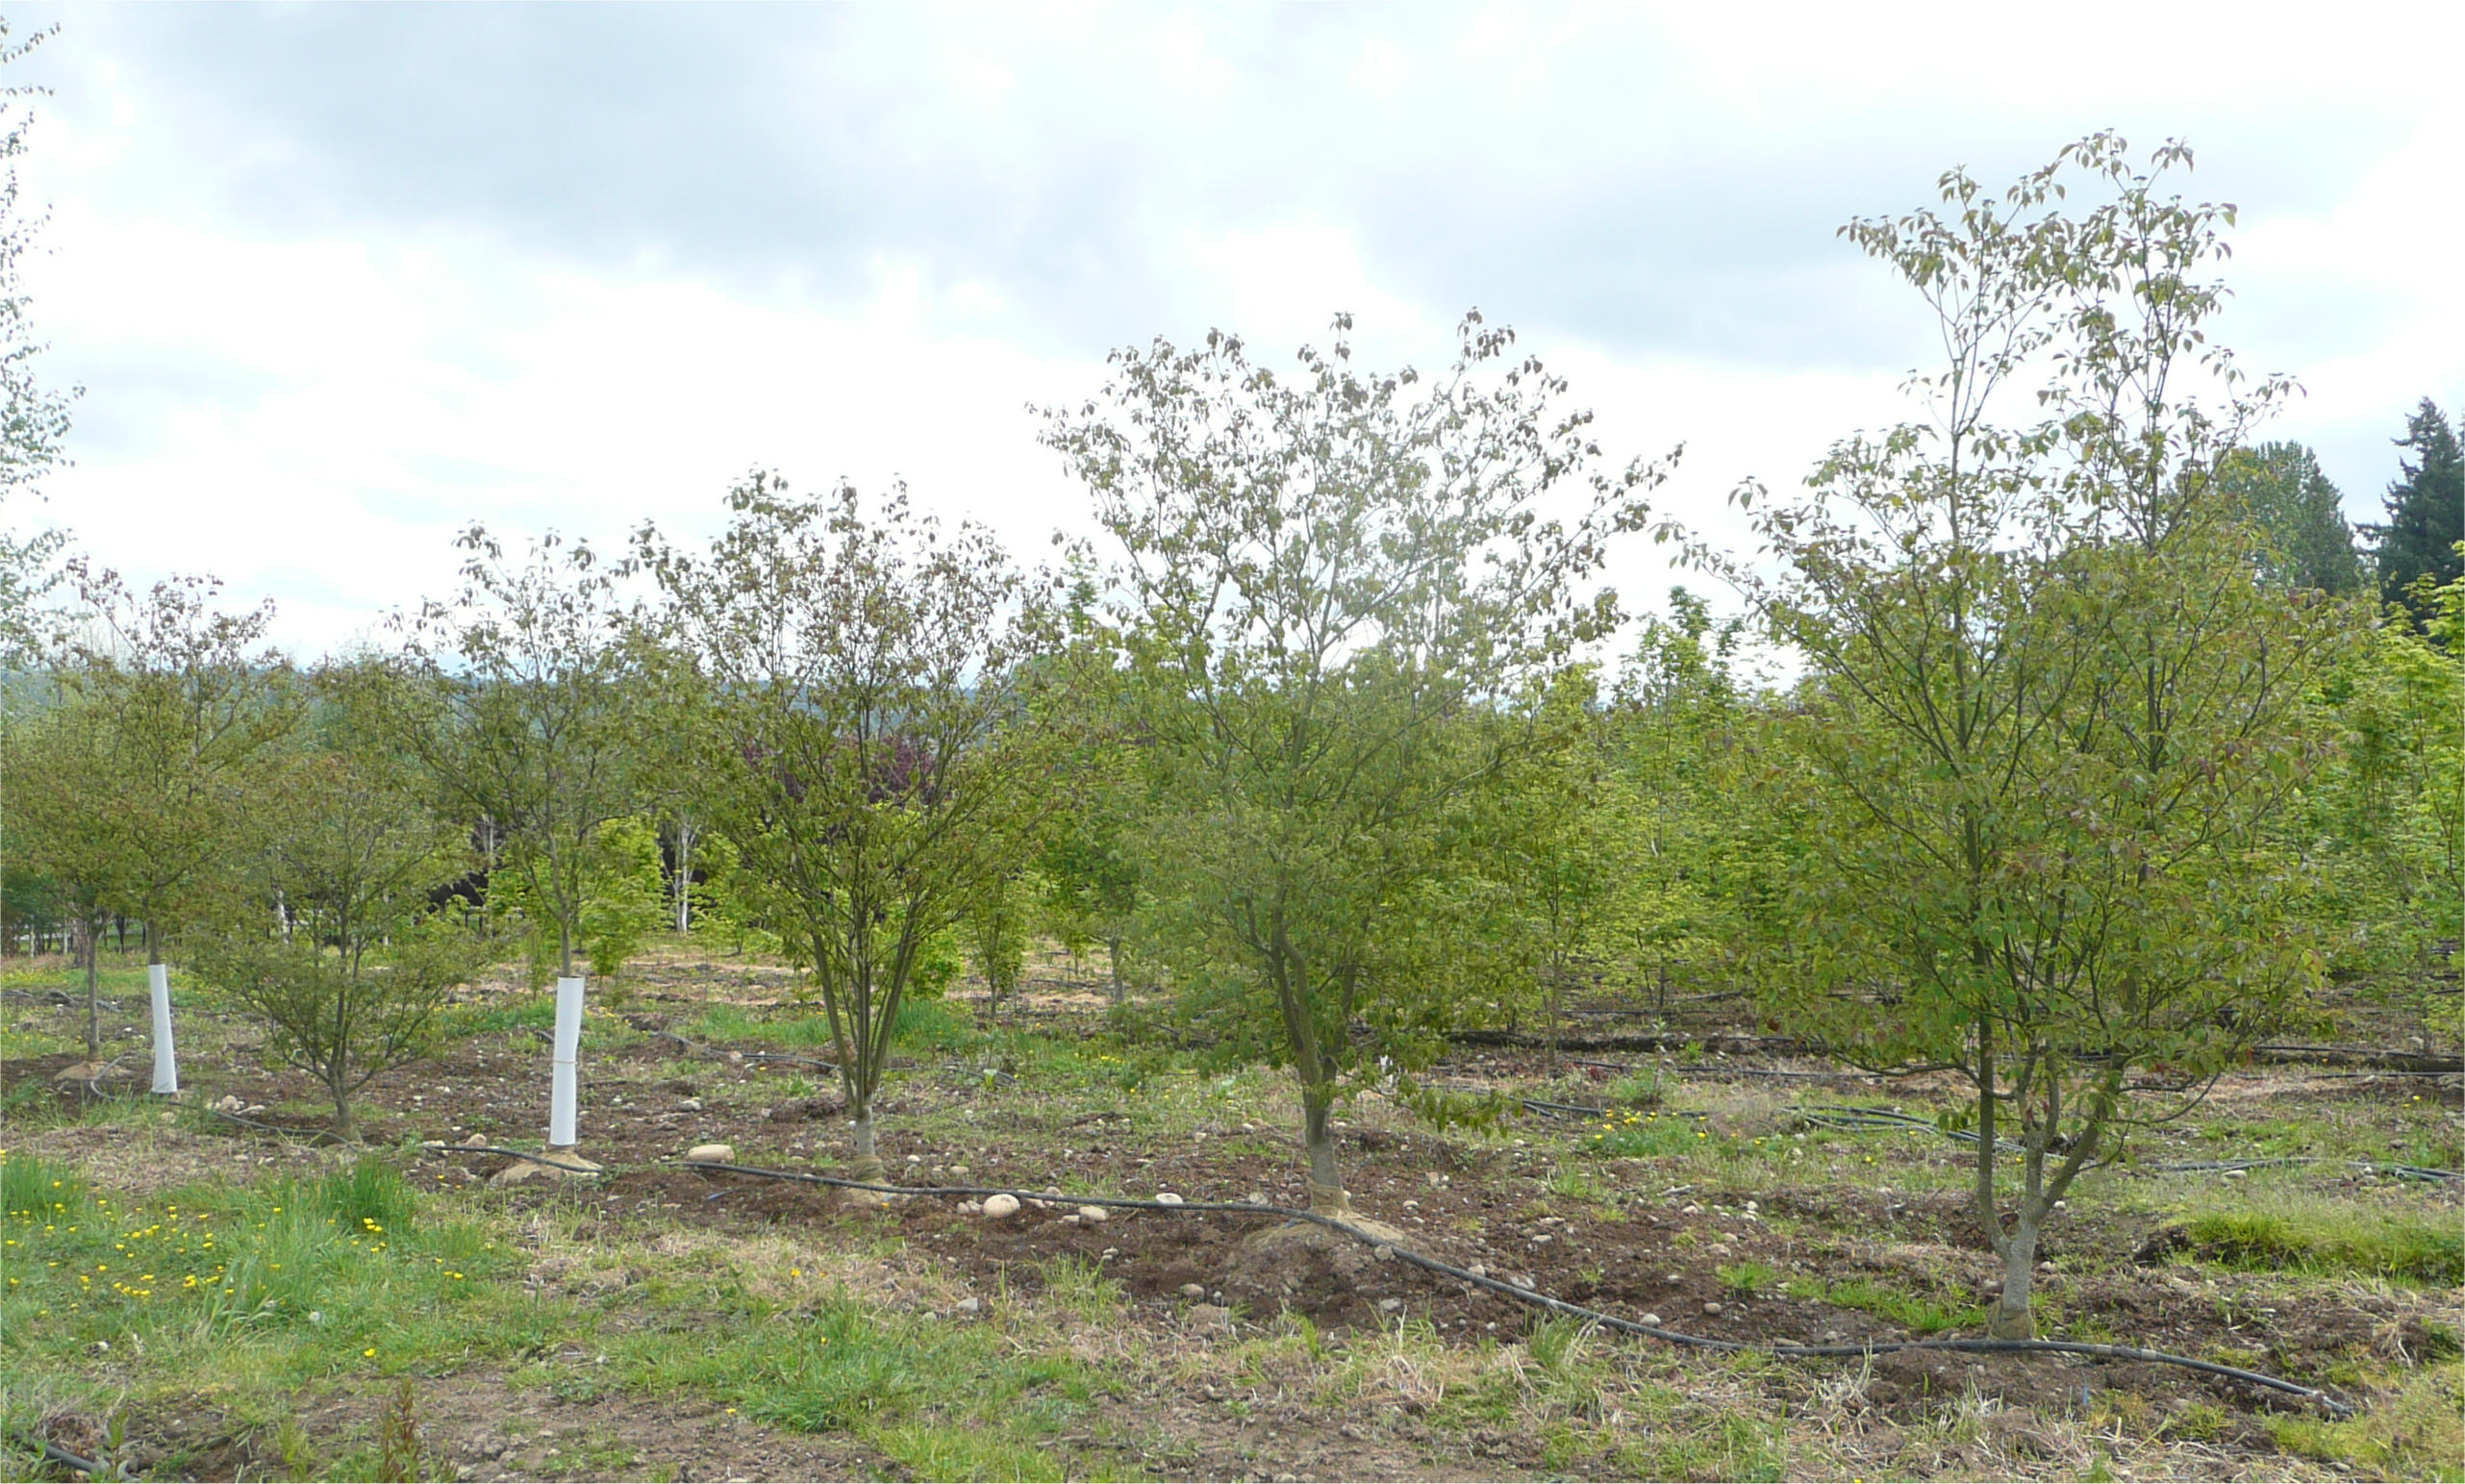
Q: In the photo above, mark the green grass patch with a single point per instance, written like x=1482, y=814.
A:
x=920, y=1386
x=1918, y=1312
x=2317, y=1237
x=30, y=1186
x=529, y=1012
x=1644, y=1135
x=1750, y=1278
x=2417, y=1434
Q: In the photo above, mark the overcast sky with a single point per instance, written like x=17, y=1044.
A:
x=338, y=279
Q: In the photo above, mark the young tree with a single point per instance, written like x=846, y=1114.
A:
x=528, y=712
x=994, y=927
x=2425, y=511
x=1324, y=584
x=2051, y=709
x=58, y=757
x=346, y=958
x=1695, y=844
x=189, y=712
x=527, y=715
x=1545, y=850
x=864, y=746
x=2387, y=814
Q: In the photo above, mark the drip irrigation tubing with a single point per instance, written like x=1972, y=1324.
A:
x=715, y=1054
x=1718, y=1071
x=311, y=1135
x=433, y=1148
x=1555, y=1305
x=52, y=1452
x=1857, y=1120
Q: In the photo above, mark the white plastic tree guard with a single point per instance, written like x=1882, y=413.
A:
x=562, y=1092
x=166, y=1063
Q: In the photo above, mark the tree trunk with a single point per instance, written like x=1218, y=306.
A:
x=1327, y=1195
x=2010, y=1320
x=93, y=936
x=1551, y=997
x=341, y=1113
x=867, y=1163
x=684, y=877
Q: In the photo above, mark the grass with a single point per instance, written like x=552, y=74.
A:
x=346, y=1281
x=1748, y=1278
x=2322, y=1238
x=1646, y=1136
x=1918, y=1312
x=2419, y=1433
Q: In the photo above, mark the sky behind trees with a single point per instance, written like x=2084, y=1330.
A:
x=336, y=280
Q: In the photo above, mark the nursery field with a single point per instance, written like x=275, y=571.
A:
x=195, y=1295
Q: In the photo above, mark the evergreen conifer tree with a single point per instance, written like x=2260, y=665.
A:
x=2426, y=509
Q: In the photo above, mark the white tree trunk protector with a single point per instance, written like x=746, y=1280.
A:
x=166, y=1065
x=569, y=1046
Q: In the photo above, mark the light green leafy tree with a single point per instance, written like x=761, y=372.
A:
x=1678, y=731
x=2388, y=812
x=1545, y=852
x=623, y=895
x=995, y=926
x=1338, y=595
x=60, y=754
x=2050, y=711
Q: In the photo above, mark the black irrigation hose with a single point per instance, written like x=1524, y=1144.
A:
x=1846, y=1119
x=314, y=1136
x=528, y=1159
x=52, y=1452
x=1854, y=1120
x=716, y=1054
x=1568, y=1110
x=2331, y=1405
x=2401, y=1172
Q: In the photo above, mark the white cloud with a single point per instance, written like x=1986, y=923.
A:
x=307, y=393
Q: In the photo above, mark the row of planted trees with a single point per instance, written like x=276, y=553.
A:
x=2054, y=778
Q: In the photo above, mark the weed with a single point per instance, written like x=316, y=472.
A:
x=371, y=1197
x=399, y=1445
x=1574, y=1183
x=1641, y=1088
x=1750, y=1278
x=1643, y=1135
x=1081, y=1289
x=29, y=1185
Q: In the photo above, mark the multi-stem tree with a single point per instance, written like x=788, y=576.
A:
x=867, y=745
x=2049, y=707
x=346, y=957
x=1336, y=597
